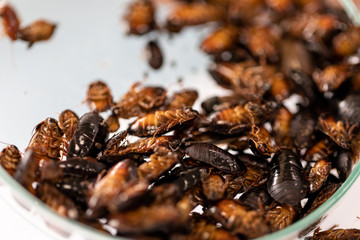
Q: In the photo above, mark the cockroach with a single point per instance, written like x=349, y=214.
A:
x=254, y=176
x=256, y=198
x=347, y=43
x=113, y=123
x=331, y=77
x=26, y=171
x=99, y=98
x=182, y=99
x=349, y=108
x=191, y=177
x=343, y=163
x=159, y=122
x=220, y=40
x=75, y=188
x=154, y=54
x=10, y=21
x=78, y=167
x=214, y=187
x=239, y=220
x=254, y=161
x=324, y=194
x=89, y=136
x=244, y=11
x=280, y=87
x=193, y=14
x=67, y=122
x=260, y=142
x=47, y=139
x=216, y=157
x=39, y=30
x=281, y=127
x=335, y=234
x=280, y=216
x=286, y=183
x=60, y=203
x=318, y=175
x=321, y=149
x=302, y=128
x=239, y=144
x=217, y=103
x=9, y=158
x=140, y=17
x=115, y=142
x=339, y=131
x=139, y=101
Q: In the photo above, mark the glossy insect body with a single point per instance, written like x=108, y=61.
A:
x=256, y=198
x=113, y=123
x=39, y=30
x=343, y=164
x=99, y=96
x=318, y=175
x=67, y=122
x=335, y=234
x=10, y=21
x=320, y=150
x=215, y=156
x=260, y=142
x=86, y=167
x=347, y=42
x=89, y=137
x=140, y=17
x=286, y=183
x=280, y=216
x=75, y=188
x=349, y=108
x=47, y=139
x=184, y=98
x=214, y=187
x=139, y=101
x=10, y=158
x=302, y=128
x=154, y=54
x=159, y=122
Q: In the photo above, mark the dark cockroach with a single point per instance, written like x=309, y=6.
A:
x=189, y=178
x=86, y=167
x=47, y=139
x=239, y=220
x=139, y=101
x=256, y=198
x=99, y=98
x=26, y=171
x=324, y=194
x=257, y=162
x=335, y=234
x=140, y=17
x=216, y=157
x=280, y=216
x=184, y=98
x=214, y=187
x=347, y=43
x=60, y=203
x=239, y=144
x=235, y=185
x=318, y=175
x=254, y=176
x=286, y=182
x=281, y=127
x=343, y=163
x=261, y=41
x=320, y=150
x=113, y=123
x=339, y=131
x=10, y=21
x=160, y=122
x=349, y=108
x=154, y=54
x=67, y=122
x=220, y=40
x=305, y=86
x=39, y=30
x=75, y=188
x=10, y=158
x=331, y=77
x=159, y=163
x=217, y=103
x=192, y=14
x=260, y=142
x=89, y=136
x=302, y=128
x=115, y=142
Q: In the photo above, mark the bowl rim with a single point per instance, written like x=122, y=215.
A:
x=71, y=226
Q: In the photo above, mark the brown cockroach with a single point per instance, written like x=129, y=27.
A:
x=99, y=98
x=139, y=101
x=318, y=175
x=10, y=21
x=347, y=43
x=220, y=40
x=159, y=122
x=39, y=30
x=67, y=122
x=9, y=158
x=331, y=77
x=280, y=216
x=335, y=234
x=154, y=54
x=281, y=127
x=113, y=123
x=280, y=87
x=140, y=17
x=214, y=187
x=260, y=142
x=320, y=150
x=324, y=194
x=184, y=98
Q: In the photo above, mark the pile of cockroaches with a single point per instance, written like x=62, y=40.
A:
x=248, y=164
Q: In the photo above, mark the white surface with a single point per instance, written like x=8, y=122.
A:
x=88, y=44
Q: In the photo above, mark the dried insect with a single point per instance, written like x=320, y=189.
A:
x=140, y=17
x=99, y=96
x=215, y=156
x=280, y=88
x=154, y=54
x=192, y=14
x=286, y=183
x=10, y=158
x=343, y=164
x=67, y=122
x=10, y=21
x=220, y=40
x=239, y=220
x=349, y=108
x=159, y=122
x=254, y=176
x=39, y=30
x=26, y=171
x=322, y=197
x=239, y=144
x=281, y=127
x=139, y=101
x=302, y=128
x=280, y=216
x=318, y=175
x=347, y=43
x=254, y=161
x=76, y=189
x=256, y=198
x=244, y=11
x=113, y=123
x=214, y=187
x=184, y=98
x=331, y=77
x=320, y=150
x=77, y=167
x=89, y=136
x=260, y=142
x=335, y=234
